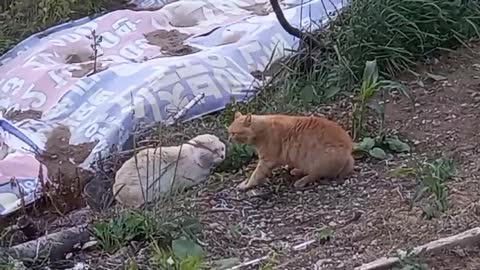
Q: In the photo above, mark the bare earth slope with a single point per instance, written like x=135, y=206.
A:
x=370, y=214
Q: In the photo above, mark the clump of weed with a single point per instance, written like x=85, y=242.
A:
x=377, y=147
x=371, y=85
x=324, y=234
x=127, y=226
x=269, y=264
x=432, y=177
x=171, y=241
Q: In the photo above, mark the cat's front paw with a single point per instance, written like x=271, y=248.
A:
x=301, y=183
x=296, y=172
x=243, y=186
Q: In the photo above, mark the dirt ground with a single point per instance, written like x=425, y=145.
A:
x=370, y=214
x=170, y=42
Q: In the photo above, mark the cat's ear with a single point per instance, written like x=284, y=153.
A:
x=237, y=115
x=205, y=159
x=248, y=120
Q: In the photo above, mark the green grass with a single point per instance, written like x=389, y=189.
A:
x=398, y=33
x=432, y=177
x=171, y=240
x=129, y=225
x=394, y=33
x=22, y=18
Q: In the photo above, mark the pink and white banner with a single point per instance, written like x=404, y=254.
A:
x=150, y=65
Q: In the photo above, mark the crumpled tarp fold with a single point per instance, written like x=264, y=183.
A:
x=150, y=66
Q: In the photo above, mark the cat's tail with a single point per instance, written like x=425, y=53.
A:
x=348, y=167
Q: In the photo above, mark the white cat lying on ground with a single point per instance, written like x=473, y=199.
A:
x=190, y=167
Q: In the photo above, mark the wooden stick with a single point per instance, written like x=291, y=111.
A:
x=461, y=239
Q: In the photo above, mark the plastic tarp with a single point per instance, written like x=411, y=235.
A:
x=185, y=57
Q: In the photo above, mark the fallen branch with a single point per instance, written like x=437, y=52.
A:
x=247, y=263
x=461, y=239
x=53, y=246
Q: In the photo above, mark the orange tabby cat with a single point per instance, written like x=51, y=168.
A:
x=314, y=147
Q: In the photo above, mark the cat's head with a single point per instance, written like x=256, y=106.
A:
x=240, y=130
x=210, y=148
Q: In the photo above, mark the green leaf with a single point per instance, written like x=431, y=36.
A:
x=366, y=144
x=307, y=94
x=182, y=248
x=378, y=153
x=397, y=145
x=370, y=74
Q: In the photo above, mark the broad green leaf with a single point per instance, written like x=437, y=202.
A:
x=182, y=248
x=370, y=74
x=307, y=94
x=366, y=144
x=378, y=153
x=397, y=145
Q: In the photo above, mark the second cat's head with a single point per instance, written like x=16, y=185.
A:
x=211, y=150
x=240, y=130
